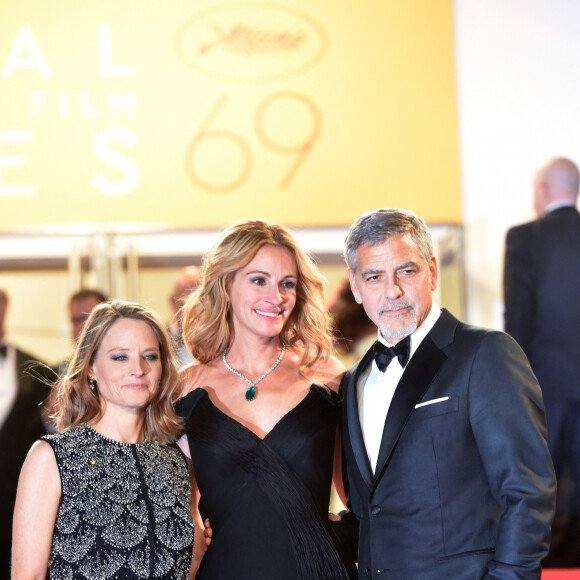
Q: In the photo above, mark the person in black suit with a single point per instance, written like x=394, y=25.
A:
x=22, y=392
x=541, y=287
x=80, y=305
x=444, y=430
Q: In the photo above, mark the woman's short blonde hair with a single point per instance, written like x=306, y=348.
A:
x=77, y=403
x=207, y=327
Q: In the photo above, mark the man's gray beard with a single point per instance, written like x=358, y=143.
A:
x=402, y=332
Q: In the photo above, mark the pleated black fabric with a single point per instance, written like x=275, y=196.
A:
x=267, y=499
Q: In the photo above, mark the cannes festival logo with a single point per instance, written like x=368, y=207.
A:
x=251, y=42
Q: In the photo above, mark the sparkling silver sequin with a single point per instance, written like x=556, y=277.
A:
x=125, y=509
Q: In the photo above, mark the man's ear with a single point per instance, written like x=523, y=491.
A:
x=434, y=273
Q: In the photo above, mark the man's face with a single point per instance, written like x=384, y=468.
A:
x=79, y=311
x=394, y=284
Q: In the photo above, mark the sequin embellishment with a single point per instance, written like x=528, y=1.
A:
x=125, y=509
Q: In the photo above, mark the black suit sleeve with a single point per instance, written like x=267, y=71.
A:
x=508, y=422
x=519, y=287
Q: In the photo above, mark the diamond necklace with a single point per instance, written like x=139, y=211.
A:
x=251, y=390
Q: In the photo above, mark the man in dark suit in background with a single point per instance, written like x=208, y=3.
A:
x=22, y=392
x=541, y=294
x=448, y=467
x=80, y=305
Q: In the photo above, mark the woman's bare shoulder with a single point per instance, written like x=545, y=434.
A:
x=41, y=451
x=328, y=372
x=195, y=376
x=40, y=461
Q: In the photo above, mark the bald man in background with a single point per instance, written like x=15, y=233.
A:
x=542, y=312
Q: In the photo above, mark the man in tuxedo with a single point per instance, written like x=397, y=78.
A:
x=444, y=431
x=22, y=392
x=541, y=287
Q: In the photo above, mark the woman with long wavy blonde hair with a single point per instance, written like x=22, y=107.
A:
x=261, y=408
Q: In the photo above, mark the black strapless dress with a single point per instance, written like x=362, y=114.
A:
x=267, y=499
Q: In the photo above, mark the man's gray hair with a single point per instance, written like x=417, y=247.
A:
x=374, y=227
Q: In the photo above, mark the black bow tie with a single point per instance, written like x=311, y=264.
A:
x=3, y=350
x=384, y=354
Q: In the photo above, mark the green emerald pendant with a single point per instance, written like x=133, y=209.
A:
x=250, y=394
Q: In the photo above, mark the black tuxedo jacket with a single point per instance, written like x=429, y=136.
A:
x=464, y=486
x=541, y=292
x=22, y=427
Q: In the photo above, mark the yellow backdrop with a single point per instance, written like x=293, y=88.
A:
x=195, y=114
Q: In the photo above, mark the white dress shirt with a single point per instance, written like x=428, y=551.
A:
x=8, y=383
x=376, y=394
x=558, y=204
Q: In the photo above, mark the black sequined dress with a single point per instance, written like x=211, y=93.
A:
x=267, y=499
x=124, y=510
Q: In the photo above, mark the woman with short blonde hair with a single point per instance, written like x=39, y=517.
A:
x=76, y=403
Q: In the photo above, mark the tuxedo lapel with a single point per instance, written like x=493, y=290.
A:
x=419, y=374
x=354, y=427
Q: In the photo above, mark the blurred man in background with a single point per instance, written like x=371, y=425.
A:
x=541, y=288
x=80, y=305
x=23, y=389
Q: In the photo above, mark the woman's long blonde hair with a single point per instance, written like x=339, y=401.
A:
x=207, y=327
x=77, y=403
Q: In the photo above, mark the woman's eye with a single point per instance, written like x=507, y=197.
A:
x=152, y=357
x=289, y=284
x=258, y=281
x=119, y=357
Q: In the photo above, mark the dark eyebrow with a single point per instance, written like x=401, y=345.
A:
x=375, y=271
x=408, y=265
x=370, y=271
